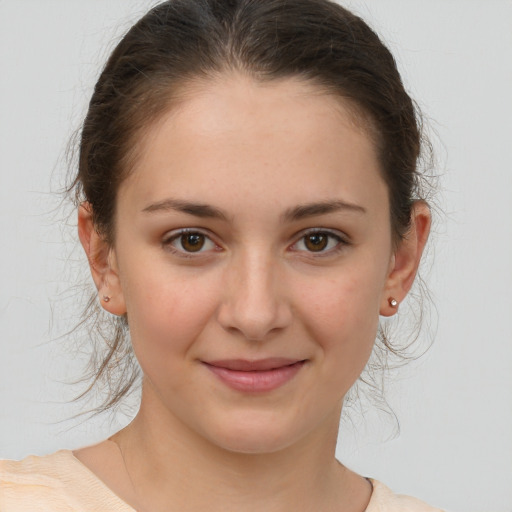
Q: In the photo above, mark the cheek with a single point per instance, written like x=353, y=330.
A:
x=342, y=314
x=348, y=299
x=166, y=313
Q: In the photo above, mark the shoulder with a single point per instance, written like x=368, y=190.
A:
x=35, y=483
x=385, y=500
x=56, y=482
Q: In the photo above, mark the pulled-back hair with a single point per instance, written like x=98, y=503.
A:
x=181, y=41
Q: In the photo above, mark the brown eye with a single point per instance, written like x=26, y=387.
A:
x=316, y=241
x=189, y=243
x=192, y=242
x=321, y=243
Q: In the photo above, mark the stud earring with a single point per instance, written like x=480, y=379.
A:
x=393, y=302
x=106, y=298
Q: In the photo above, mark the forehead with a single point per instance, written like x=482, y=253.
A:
x=286, y=138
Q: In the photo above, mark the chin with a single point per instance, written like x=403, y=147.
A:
x=253, y=436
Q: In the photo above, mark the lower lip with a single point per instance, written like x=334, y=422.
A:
x=256, y=381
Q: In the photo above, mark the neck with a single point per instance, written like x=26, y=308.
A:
x=169, y=463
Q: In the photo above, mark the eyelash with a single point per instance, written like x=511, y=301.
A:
x=167, y=242
x=341, y=242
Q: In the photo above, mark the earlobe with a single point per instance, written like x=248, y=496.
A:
x=406, y=259
x=102, y=262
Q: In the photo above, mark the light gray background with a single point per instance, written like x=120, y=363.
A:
x=454, y=405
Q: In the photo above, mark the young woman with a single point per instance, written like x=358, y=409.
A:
x=250, y=205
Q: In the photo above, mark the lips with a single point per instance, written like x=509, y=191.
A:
x=255, y=376
x=253, y=366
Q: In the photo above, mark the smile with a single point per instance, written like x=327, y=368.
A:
x=255, y=376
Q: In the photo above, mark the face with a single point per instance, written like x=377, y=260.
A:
x=253, y=255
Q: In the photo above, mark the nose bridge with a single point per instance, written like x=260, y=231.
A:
x=253, y=304
x=256, y=276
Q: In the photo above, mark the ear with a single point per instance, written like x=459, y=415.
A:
x=406, y=259
x=102, y=262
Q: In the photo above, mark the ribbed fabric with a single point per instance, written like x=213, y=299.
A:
x=54, y=483
x=385, y=500
x=61, y=483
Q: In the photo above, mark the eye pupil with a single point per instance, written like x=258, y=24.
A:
x=316, y=241
x=192, y=242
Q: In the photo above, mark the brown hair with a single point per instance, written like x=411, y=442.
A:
x=180, y=41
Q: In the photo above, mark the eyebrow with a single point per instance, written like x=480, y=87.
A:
x=293, y=214
x=196, y=209
x=322, y=208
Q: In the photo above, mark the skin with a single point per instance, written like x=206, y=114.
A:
x=255, y=153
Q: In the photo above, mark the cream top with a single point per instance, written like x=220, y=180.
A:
x=61, y=483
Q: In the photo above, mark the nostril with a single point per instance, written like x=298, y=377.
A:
x=252, y=304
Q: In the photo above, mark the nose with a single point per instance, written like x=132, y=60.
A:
x=254, y=302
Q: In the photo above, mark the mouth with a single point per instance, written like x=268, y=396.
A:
x=255, y=376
